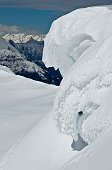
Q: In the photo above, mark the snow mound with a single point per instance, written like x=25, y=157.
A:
x=87, y=86
x=73, y=34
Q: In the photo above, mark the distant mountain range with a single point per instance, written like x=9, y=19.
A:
x=25, y=59
x=23, y=38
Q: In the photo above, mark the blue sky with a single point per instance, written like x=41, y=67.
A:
x=37, y=15
x=29, y=19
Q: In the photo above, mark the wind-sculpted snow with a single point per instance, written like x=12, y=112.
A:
x=86, y=87
x=67, y=54
x=85, y=91
x=73, y=34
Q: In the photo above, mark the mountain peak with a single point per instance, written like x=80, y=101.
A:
x=23, y=37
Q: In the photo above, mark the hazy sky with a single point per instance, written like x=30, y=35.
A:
x=37, y=15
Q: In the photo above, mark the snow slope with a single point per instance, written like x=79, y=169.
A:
x=23, y=103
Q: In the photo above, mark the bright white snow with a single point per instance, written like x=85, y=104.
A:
x=97, y=156
x=80, y=45
x=73, y=34
x=23, y=103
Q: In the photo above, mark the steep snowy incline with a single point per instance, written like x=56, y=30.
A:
x=73, y=34
x=23, y=103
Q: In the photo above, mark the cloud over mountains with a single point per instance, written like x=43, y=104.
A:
x=4, y=29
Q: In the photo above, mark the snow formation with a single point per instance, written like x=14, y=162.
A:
x=80, y=45
x=73, y=34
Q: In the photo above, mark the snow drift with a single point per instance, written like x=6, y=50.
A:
x=73, y=34
x=80, y=45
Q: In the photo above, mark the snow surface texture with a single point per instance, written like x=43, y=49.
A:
x=95, y=157
x=23, y=38
x=23, y=103
x=80, y=45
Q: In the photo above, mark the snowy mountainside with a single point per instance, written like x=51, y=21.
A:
x=6, y=45
x=12, y=59
x=32, y=50
x=19, y=64
x=22, y=37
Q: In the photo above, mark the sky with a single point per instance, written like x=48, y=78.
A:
x=37, y=15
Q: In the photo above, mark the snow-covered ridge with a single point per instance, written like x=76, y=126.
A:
x=11, y=58
x=22, y=37
x=6, y=45
x=80, y=45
